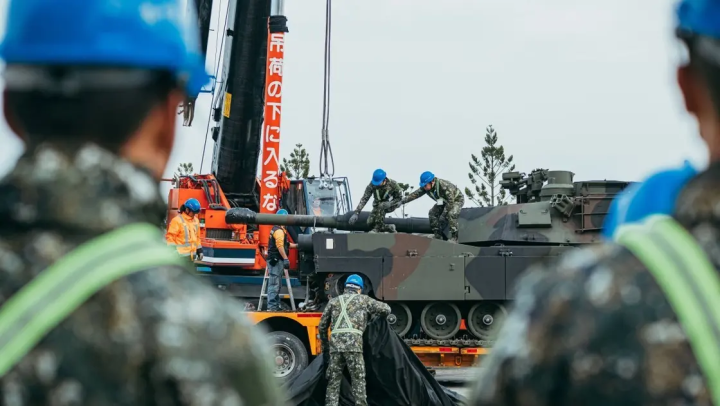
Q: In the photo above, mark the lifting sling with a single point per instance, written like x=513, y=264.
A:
x=345, y=318
x=57, y=291
x=690, y=283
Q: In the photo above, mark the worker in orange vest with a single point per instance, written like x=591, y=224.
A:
x=184, y=230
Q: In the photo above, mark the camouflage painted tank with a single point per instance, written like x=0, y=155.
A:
x=433, y=286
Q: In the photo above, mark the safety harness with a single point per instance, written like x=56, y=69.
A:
x=345, y=318
x=690, y=283
x=60, y=289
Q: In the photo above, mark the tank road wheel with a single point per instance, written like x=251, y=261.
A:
x=440, y=320
x=484, y=317
x=400, y=318
x=290, y=355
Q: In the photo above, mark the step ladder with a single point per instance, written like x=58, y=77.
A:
x=263, y=289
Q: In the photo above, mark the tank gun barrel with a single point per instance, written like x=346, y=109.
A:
x=420, y=225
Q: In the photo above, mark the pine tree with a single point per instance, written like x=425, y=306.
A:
x=184, y=169
x=298, y=166
x=407, y=189
x=486, y=173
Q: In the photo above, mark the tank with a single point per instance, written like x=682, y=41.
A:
x=445, y=293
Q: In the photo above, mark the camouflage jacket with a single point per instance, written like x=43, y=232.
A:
x=383, y=193
x=594, y=328
x=359, y=310
x=160, y=336
x=442, y=189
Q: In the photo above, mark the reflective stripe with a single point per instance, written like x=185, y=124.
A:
x=435, y=194
x=65, y=285
x=345, y=318
x=690, y=282
x=377, y=194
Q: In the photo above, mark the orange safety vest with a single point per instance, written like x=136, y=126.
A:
x=188, y=245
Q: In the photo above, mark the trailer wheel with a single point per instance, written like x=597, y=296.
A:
x=290, y=355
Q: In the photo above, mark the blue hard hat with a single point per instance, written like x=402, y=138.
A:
x=193, y=205
x=355, y=280
x=378, y=177
x=426, y=178
x=282, y=211
x=701, y=17
x=151, y=34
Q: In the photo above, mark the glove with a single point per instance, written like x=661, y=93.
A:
x=385, y=205
x=199, y=254
x=353, y=219
x=286, y=263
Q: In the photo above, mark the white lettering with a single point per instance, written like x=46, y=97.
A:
x=268, y=136
x=276, y=109
x=271, y=180
x=272, y=155
x=270, y=203
x=276, y=66
x=277, y=40
x=275, y=89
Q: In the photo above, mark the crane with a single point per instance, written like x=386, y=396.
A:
x=245, y=127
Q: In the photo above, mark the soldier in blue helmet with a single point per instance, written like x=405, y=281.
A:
x=96, y=309
x=634, y=322
x=348, y=314
x=387, y=193
x=448, y=198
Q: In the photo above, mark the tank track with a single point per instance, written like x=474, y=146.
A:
x=466, y=343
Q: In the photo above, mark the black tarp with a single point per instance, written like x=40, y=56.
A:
x=394, y=374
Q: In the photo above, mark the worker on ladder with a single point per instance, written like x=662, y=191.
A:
x=278, y=264
x=95, y=308
x=634, y=321
x=183, y=233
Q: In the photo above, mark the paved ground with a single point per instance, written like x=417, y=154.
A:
x=456, y=379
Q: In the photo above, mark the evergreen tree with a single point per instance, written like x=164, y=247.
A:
x=298, y=166
x=407, y=189
x=486, y=173
x=184, y=169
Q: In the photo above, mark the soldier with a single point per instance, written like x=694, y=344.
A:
x=386, y=192
x=449, y=200
x=632, y=323
x=349, y=313
x=96, y=309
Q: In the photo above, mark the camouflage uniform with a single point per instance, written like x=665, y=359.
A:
x=450, y=201
x=346, y=347
x=595, y=328
x=390, y=191
x=159, y=336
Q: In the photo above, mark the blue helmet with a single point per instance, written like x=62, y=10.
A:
x=193, y=205
x=426, y=178
x=701, y=17
x=355, y=280
x=282, y=211
x=378, y=177
x=149, y=34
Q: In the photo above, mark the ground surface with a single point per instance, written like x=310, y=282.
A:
x=456, y=379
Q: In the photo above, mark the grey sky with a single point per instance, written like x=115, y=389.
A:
x=584, y=86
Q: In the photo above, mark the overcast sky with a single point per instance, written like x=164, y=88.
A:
x=586, y=86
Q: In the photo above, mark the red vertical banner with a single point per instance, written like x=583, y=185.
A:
x=269, y=199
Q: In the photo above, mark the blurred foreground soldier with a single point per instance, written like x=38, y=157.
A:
x=183, y=233
x=632, y=323
x=349, y=313
x=449, y=201
x=386, y=192
x=277, y=262
x=96, y=308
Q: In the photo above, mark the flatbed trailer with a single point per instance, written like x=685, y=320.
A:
x=295, y=341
